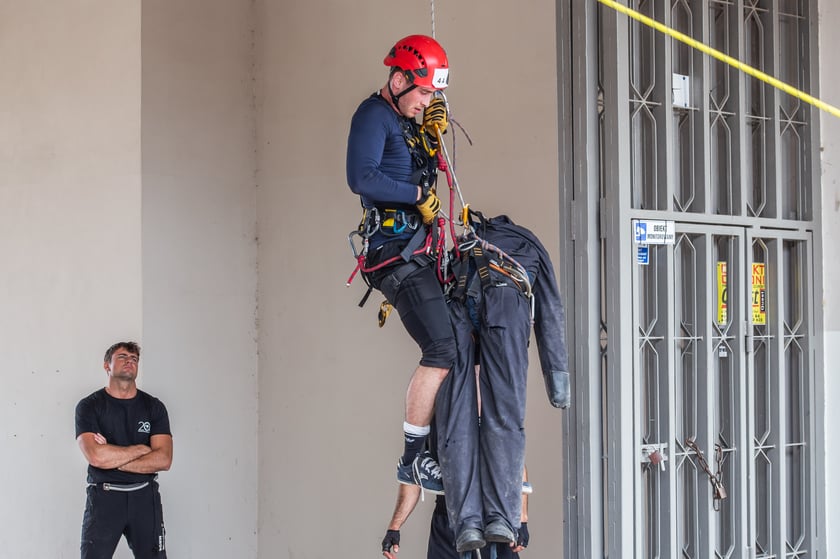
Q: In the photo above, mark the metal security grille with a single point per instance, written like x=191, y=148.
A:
x=693, y=434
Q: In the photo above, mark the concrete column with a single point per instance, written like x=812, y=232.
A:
x=70, y=247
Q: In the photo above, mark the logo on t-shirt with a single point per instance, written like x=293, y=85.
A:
x=145, y=427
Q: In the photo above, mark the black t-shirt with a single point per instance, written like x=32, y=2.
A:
x=122, y=423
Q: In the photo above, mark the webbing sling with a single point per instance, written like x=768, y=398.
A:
x=482, y=264
x=401, y=272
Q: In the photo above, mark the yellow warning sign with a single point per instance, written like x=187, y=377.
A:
x=722, y=294
x=759, y=294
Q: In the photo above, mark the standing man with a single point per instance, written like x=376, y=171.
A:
x=124, y=435
x=390, y=165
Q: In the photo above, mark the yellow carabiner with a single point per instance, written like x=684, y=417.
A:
x=384, y=311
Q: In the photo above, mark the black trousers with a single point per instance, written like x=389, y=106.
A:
x=482, y=465
x=442, y=542
x=138, y=515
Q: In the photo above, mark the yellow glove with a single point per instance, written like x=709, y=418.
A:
x=435, y=115
x=429, y=207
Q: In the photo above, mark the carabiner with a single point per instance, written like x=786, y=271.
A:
x=399, y=217
x=356, y=252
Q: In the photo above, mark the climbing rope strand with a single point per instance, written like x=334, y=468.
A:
x=518, y=272
x=451, y=179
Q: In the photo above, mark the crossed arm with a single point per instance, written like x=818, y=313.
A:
x=138, y=458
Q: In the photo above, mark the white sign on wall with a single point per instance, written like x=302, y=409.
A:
x=653, y=232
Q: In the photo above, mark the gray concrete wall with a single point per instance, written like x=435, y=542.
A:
x=332, y=383
x=70, y=248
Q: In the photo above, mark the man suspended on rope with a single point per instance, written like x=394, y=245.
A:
x=390, y=165
x=506, y=282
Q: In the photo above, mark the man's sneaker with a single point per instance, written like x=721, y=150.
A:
x=423, y=471
x=427, y=473
x=527, y=488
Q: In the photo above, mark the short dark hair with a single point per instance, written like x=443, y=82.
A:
x=131, y=347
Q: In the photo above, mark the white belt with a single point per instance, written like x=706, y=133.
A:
x=126, y=488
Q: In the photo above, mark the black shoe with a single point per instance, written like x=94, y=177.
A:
x=498, y=531
x=469, y=539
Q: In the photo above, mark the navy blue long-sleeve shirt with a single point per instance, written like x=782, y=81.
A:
x=379, y=164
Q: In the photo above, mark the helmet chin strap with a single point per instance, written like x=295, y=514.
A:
x=396, y=98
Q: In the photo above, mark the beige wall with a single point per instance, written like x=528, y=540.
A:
x=332, y=383
x=199, y=266
x=70, y=257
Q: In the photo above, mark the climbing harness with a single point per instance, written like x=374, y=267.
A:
x=488, y=258
x=432, y=249
x=390, y=222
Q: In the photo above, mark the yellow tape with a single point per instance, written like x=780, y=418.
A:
x=758, y=74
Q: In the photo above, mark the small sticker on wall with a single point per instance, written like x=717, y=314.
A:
x=642, y=255
x=653, y=232
x=722, y=294
x=759, y=294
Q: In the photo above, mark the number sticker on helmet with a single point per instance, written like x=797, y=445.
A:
x=441, y=78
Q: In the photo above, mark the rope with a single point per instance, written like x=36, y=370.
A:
x=758, y=74
x=432, y=2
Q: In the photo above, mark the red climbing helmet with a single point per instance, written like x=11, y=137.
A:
x=422, y=59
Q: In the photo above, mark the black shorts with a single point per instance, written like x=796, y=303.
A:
x=419, y=300
x=111, y=514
